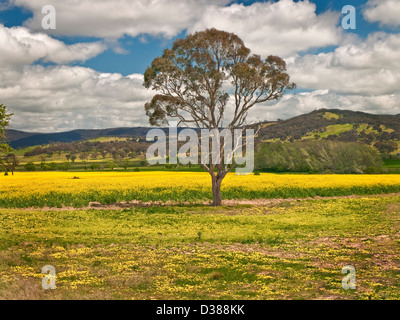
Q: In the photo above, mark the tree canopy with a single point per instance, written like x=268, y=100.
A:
x=4, y=122
x=200, y=74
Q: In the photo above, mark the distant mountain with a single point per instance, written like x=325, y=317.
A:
x=20, y=139
x=334, y=124
x=13, y=135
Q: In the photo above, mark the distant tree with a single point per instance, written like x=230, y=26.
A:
x=143, y=163
x=132, y=155
x=4, y=123
x=112, y=165
x=196, y=78
x=5, y=117
x=64, y=166
x=386, y=147
x=53, y=166
x=103, y=153
x=94, y=156
x=83, y=156
x=43, y=158
x=30, y=166
x=94, y=166
x=317, y=156
x=124, y=164
x=45, y=167
x=10, y=162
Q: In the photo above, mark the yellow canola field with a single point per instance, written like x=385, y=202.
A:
x=79, y=188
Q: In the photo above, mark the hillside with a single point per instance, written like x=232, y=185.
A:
x=19, y=139
x=340, y=125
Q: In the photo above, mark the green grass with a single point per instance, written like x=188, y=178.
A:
x=392, y=163
x=331, y=116
x=292, y=250
x=334, y=129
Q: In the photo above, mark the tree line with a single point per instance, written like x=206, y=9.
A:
x=322, y=156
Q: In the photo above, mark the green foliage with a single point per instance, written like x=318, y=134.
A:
x=111, y=165
x=124, y=164
x=4, y=122
x=317, y=156
x=30, y=166
x=95, y=166
x=64, y=166
x=386, y=147
x=45, y=166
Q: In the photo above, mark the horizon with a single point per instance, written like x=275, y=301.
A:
x=152, y=127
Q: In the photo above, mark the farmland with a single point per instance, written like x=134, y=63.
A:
x=57, y=189
x=168, y=244
x=286, y=250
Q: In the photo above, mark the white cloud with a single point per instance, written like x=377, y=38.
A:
x=114, y=19
x=62, y=98
x=19, y=46
x=386, y=12
x=65, y=97
x=298, y=104
x=370, y=67
x=279, y=28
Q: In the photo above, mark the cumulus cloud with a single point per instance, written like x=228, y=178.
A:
x=61, y=98
x=279, y=28
x=114, y=19
x=297, y=104
x=64, y=97
x=370, y=67
x=386, y=12
x=20, y=46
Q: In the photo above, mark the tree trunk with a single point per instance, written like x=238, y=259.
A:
x=216, y=188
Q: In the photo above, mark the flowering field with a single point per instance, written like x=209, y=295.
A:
x=281, y=249
x=289, y=250
x=79, y=189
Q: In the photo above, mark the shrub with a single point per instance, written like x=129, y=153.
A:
x=30, y=166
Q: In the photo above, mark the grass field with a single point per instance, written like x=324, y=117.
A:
x=286, y=250
x=282, y=248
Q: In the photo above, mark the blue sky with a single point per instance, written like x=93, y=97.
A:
x=103, y=51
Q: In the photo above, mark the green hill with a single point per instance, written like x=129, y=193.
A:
x=380, y=131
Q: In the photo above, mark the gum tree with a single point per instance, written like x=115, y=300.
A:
x=5, y=149
x=210, y=80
